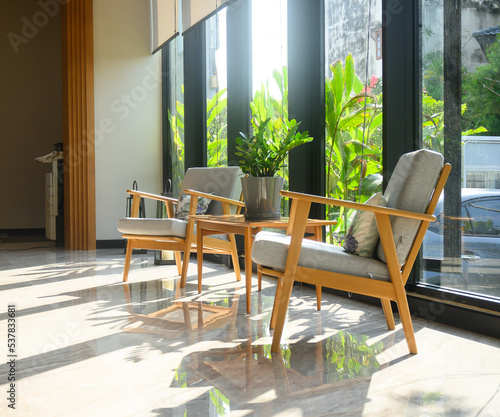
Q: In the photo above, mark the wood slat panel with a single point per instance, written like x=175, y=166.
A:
x=78, y=125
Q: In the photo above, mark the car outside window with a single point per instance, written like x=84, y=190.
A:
x=466, y=222
x=485, y=217
x=437, y=226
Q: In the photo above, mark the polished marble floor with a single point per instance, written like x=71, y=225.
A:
x=89, y=345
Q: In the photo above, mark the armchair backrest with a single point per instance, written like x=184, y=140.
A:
x=221, y=181
x=410, y=188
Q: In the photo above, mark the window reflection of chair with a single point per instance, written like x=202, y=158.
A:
x=173, y=321
x=222, y=185
x=411, y=196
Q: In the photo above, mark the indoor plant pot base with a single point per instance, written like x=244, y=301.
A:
x=262, y=197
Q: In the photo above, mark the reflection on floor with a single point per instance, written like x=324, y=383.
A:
x=88, y=345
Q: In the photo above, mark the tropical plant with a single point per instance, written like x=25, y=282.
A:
x=265, y=152
x=217, y=129
x=433, y=74
x=264, y=105
x=353, y=141
x=481, y=92
x=216, y=134
x=433, y=124
x=177, y=145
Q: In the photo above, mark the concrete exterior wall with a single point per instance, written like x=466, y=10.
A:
x=346, y=27
x=473, y=18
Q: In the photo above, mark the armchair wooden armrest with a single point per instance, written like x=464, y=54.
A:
x=226, y=202
x=137, y=195
x=216, y=198
x=152, y=196
x=359, y=206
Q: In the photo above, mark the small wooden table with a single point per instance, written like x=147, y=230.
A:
x=238, y=224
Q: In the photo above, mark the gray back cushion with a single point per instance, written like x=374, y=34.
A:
x=410, y=188
x=221, y=181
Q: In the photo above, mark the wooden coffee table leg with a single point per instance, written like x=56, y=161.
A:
x=248, y=267
x=199, y=254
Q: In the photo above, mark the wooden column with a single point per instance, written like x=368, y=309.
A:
x=78, y=124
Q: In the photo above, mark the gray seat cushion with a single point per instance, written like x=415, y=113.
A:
x=271, y=249
x=410, y=188
x=152, y=227
x=157, y=227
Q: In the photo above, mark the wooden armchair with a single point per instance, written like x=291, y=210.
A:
x=411, y=197
x=221, y=185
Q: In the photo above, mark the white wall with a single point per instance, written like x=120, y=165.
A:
x=127, y=110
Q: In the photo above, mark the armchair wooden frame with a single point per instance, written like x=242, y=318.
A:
x=387, y=291
x=177, y=244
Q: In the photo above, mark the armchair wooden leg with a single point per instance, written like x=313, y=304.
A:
x=128, y=258
x=318, y=297
x=187, y=252
x=283, y=302
x=185, y=263
x=234, y=257
x=178, y=262
x=404, y=314
x=389, y=317
x=199, y=257
x=279, y=288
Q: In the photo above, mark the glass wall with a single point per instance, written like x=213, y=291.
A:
x=454, y=73
x=269, y=68
x=216, y=89
x=353, y=100
x=175, y=111
x=269, y=47
x=460, y=68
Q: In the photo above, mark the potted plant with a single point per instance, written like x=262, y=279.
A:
x=263, y=154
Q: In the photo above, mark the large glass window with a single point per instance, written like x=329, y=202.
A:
x=461, y=119
x=269, y=47
x=216, y=85
x=269, y=69
x=175, y=111
x=353, y=96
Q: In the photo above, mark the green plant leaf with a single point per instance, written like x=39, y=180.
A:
x=338, y=83
x=349, y=74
